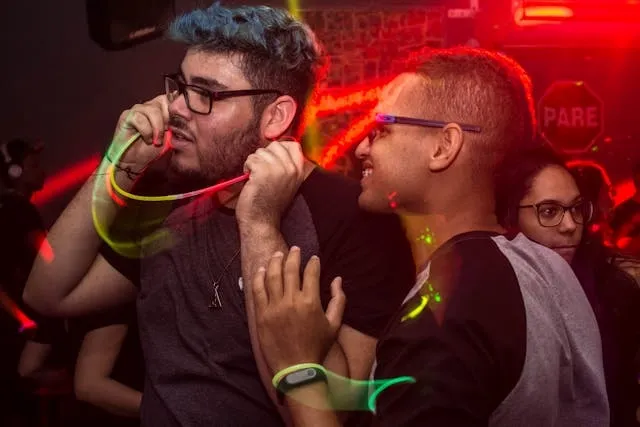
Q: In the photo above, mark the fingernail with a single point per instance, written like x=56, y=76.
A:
x=295, y=249
x=315, y=257
x=261, y=269
x=278, y=254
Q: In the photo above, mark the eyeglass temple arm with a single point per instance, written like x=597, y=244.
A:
x=386, y=118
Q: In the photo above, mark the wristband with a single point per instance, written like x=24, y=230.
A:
x=296, y=376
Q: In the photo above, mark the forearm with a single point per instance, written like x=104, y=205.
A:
x=113, y=397
x=32, y=359
x=257, y=246
x=309, y=407
x=75, y=243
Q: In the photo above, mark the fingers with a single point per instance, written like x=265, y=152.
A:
x=335, y=308
x=284, y=156
x=274, y=285
x=260, y=295
x=289, y=153
x=148, y=119
x=311, y=278
x=292, y=273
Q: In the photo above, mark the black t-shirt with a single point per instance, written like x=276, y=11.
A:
x=465, y=349
x=200, y=367
x=480, y=335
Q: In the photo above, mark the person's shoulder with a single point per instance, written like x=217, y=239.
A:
x=331, y=190
x=332, y=199
x=474, y=249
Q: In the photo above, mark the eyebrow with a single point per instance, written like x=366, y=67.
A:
x=576, y=199
x=205, y=81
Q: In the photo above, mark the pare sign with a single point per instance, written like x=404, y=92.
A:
x=571, y=116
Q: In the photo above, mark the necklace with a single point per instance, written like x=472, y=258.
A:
x=216, y=301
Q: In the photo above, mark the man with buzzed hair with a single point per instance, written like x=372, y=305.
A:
x=497, y=330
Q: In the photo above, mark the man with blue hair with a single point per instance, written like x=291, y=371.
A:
x=232, y=106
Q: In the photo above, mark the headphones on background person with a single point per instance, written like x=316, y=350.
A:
x=14, y=170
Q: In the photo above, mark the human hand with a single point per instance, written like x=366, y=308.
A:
x=276, y=173
x=292, y=327
x=150, y=120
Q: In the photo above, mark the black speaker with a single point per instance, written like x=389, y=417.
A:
x=119, y=24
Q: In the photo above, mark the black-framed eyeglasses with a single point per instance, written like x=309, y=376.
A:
x=386, y=119
x=199, y=99
x=550, y=214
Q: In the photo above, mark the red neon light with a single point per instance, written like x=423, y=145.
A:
x=12, y=308
x=536, y=15
x=65, y=180
x=341, y=143
x=622, y=191
x=337, y=100
x=550, y=12
x=39, y=240
x=592, y=164
x=619, y=192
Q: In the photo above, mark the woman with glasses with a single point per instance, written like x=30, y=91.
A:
x=538, y=196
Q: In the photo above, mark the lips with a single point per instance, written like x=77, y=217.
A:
x=180, y=134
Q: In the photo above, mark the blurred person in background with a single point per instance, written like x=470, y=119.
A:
x=109, y=370
x=27, y=347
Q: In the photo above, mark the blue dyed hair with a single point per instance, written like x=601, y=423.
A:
x=276, y=50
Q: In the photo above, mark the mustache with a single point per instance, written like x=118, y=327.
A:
x=178, y=122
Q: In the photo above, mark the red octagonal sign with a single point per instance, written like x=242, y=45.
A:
x=571, y=116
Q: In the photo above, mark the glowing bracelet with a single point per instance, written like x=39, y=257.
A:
x=286, y=371
x=112, y=177
x=363, y=392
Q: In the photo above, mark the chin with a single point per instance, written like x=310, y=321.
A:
x=566, y=254
x=370, y=203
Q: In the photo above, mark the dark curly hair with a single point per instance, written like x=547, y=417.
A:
x=516, y=178
x=276, y=50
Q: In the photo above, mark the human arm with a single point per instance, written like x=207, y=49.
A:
x=93, y=383
x=32, y=359
x=282, y=304
x=71, y=283
x=276, y=173
x=465, y=349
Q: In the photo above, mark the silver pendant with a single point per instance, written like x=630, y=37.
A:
x=216, y=302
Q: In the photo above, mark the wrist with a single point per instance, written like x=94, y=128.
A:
x=314, y=395
x=262, y=228
x=290, y=380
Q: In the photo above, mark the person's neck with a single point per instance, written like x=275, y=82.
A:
x=229, y=196
x=456, y=217
x=445, y=227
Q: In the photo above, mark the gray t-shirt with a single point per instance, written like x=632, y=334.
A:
x=199, y=364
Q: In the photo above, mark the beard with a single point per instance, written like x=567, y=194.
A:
x=221, y=159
